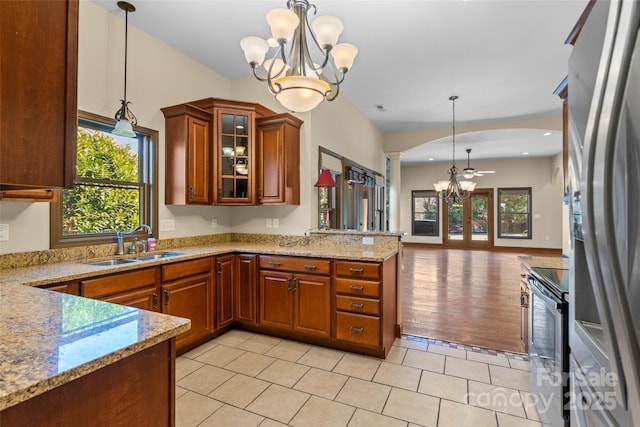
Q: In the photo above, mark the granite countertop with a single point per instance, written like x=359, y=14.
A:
x=48, y=338
x=40, y=275
x=560, y=263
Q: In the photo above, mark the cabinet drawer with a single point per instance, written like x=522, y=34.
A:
x=365, y=270
x=186, y=268
x=358, y=287
x=93, y=288
x=358, y=328
x=297, y=264
x=358, y=305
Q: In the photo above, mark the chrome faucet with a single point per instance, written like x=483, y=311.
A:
x=135, y=243
x=120, y=237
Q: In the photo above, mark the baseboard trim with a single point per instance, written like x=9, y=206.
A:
x=514, y=249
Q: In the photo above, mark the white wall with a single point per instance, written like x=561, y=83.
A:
x=160, y=76
x=543, y=175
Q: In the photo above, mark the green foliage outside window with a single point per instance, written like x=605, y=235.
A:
x=514, y=213
x=106, y=196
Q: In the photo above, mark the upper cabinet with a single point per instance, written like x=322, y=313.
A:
x=234, y=157
x=279, y=159
x=235, y=153
x=38, y=93
x=188, y=155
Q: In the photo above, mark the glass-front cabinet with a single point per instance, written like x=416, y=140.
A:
x=235, y=157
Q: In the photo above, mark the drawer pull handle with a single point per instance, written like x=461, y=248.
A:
x=274, y=263
x=354, y=305
x=357, y=330
x=356, y=288
x=310, y=267
x=356, y=270
x=166, y=297
x=154, y=303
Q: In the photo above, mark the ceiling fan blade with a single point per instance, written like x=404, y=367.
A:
x=483, y=172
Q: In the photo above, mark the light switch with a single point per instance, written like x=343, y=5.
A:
x=276, y=223
x=167, y=225
x=269, y=223
x=4, y=232
x=367, y=240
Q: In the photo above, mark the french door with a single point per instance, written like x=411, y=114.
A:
x=469, y=224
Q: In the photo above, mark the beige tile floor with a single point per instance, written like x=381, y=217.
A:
x=245, y=379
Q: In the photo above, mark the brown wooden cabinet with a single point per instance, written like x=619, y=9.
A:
x=278, y=139
x=188, y=291
x=188, y=155
x=234, y=157
x=246, y=289
x=39, y=67
x=225, y=289
x=295, y=294
x=72, y=288
x=133, y=288
x=365, y=303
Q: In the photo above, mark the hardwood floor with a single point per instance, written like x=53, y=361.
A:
x=465, y=296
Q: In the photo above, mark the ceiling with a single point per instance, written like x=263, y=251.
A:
x=503, y=58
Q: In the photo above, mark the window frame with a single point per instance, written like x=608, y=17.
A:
x=148, y=190
x=424, y=194
x=525, y=191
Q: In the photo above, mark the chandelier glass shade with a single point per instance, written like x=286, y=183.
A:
x=453, y=191
x=125, y=119
x=308, y=64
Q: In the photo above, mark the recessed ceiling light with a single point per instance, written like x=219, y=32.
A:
x=526, y=153
x=547, y=133
x=430, y=158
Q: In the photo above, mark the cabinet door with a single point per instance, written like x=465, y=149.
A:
x=246, y=289
x=276, y=300
x=225, y=279
x=72, y=288
x=278, y=140
x=146, y=299
x=235, y=157
x=191, y=298
x=199, y=161
x=38, y=93
x=312, y=304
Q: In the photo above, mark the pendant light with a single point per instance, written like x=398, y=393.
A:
x=453, y=191
x=125, y=119
x=469, y=172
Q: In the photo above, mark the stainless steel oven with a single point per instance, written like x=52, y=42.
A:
x=549, y=344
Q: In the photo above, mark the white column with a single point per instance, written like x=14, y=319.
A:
x=394, y=192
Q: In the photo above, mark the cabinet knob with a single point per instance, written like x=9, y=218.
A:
x=154, y=300
x=166, y=297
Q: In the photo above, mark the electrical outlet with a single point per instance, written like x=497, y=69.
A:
x=269, y=223
x=4, y=232
x=214, y=222
x=167, y=225
x=367, y=240
x=276, y=223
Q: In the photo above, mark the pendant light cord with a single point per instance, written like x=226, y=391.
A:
x=126, y=38
x=453, y=98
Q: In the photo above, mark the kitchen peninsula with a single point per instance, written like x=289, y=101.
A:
x=65, y=360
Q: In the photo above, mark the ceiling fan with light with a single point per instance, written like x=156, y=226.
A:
x=470, y=172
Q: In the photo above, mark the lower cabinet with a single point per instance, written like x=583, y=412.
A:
x=136, y=288
x=188, y=291
x=246, y=307
x=293, y=300
x=72, y=287
x=225, y=285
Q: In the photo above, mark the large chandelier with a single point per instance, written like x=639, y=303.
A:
x=453, y=191
x=299, y=77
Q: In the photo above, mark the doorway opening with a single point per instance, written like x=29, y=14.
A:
x=469, y=224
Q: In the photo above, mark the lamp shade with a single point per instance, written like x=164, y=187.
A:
x=255, y=48
x=123, y=128
x=283, y=22
x=343, y=55
x=327, y=30
x=301, y=93
x=325, y=179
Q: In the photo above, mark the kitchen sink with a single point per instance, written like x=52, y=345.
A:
x=159, y=255
x=113, y=261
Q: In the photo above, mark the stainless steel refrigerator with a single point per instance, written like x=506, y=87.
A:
x=604, y=171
